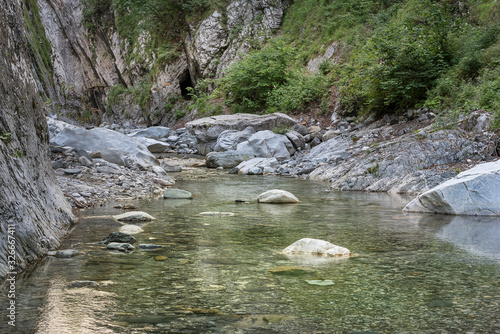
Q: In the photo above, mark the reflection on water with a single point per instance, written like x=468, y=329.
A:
x=223, y=274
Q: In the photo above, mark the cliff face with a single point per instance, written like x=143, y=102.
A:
x=86, y=65
x=34, y=214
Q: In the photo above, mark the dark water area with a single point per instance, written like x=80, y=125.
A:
x=223, y=274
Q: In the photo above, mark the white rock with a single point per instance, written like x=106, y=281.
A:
x=131, y=229
x=134, y=216
x=473, y=192
x=277, y=196
x=316, y=247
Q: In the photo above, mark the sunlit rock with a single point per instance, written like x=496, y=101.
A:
x=316, y=247
x=277, y=196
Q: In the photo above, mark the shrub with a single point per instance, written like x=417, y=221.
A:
x=248, y=82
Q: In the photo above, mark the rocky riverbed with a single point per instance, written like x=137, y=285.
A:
x=404, y=154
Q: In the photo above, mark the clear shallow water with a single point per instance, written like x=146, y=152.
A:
x=411, y=273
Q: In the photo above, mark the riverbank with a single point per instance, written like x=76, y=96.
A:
x=406, y=155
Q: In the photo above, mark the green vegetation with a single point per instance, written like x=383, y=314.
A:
x=5, y=137
x=391, y=56
x=40, y=45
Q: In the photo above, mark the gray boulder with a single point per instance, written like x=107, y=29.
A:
x=296, y=139
x=229, y=139
x=126, y=150
x=265, y=165
x=207, y=130
x=473, y=192
x=267, y=144
x=227, y=159
x=153, y=145
x=153, y=132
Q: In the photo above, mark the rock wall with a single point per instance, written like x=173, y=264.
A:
x=34, y=214
x=87, y=66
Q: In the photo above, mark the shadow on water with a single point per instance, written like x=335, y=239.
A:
x=223, y=274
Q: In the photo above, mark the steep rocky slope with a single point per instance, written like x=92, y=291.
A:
x=34, y=214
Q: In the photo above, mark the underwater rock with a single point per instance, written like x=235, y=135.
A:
x=177, y=193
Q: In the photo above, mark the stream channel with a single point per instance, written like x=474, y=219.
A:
x=217, y=274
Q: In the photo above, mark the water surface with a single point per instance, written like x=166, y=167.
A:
x=410, y=273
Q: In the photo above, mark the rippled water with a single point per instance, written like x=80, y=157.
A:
x=410, y=273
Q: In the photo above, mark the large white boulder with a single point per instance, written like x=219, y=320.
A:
x=308, y=246
x=258, y=166
x=277, y=196
x=473, y=192
x=126, y=150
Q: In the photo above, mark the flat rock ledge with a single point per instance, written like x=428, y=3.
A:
x=308, y=246
x=475, y=192
x=276, y=196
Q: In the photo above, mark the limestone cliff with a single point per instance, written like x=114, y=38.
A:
x=86, y=65
x=34, y=214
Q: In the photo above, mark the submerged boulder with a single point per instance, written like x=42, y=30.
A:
x=134, y=216
x=316, y=247
x=277, y=196
x=114, y=146
x=473, y=192
x=177, y=194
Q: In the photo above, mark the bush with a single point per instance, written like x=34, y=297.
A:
x=399, y=63
x=248, y=82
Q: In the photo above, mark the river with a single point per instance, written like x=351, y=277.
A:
x=224, y=274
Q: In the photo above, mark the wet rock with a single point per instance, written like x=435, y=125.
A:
x=131, y=229
x=473, y=192
x=277, y=196
x=65, y=253
x=134, y=216
x=316, y=247
x=122, y=247
x=177, y=193
x=119, y=237
x=226, y=159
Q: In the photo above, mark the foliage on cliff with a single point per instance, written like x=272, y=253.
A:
x=392, y=55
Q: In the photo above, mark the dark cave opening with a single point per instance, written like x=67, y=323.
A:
x=184, y=83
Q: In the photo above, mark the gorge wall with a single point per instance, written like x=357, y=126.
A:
x=34, y=214
x=87, y=65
